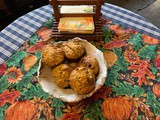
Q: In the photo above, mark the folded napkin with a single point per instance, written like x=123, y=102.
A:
x=76, y=24
x=77, y=9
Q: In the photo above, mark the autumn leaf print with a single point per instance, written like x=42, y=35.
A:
x=8, y=97
x=142, y=69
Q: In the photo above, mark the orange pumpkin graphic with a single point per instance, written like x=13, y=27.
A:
x=20, y=110
x=116, y=108
x=156, y=90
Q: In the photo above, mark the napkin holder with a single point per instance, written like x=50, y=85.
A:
x=96, y=14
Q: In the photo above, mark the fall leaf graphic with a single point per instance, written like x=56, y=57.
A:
x=70, y=116
x=157, y=62
x=44, y=32
x=3, y=67
x=36, y=47
x=118, y=30
x=115, y=44
x=29, y=61
x=150, y=40
x=156, y=90
x=8, y=97
x=142, y=68
x=101, y=93
x=110, y=57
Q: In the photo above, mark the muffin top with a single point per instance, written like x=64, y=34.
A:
x=61, y=75
x=52, y=55
x=90, y=62
x=82, y=80
x=73, y=50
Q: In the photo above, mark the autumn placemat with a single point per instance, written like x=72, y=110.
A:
x=131, y=89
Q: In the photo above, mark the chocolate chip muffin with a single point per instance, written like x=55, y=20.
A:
x=82, y=80
x=52, y=55
x=61, y=75
x=90, y=62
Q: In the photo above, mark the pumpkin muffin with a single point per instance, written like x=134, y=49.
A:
x=73, y=64
x=73, y=50
x=52, y=55
x=90, y=62
x=82, y=80
x=61, y=75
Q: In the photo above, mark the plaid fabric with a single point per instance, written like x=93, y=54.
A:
x=15, y=34
x=130, y=19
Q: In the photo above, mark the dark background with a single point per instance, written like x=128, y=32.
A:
x=149, y=9
x=12, y=9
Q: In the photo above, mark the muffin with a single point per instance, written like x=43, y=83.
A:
x=90, y=62
x=52, y=55
x=73, y=50
x=73, y=64
x=61, y=75
x=82, y=80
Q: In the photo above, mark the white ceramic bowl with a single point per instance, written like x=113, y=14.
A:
x=68, y=95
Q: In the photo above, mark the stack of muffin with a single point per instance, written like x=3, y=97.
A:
x=72, y=67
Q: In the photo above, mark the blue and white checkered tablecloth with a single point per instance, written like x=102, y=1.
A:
x=15, y=34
